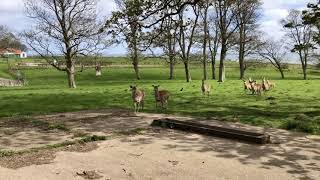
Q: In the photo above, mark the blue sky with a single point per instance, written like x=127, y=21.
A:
x=12, y=15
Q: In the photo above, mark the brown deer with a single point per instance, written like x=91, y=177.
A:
x=247, y=84
x=138, y=98
x=205, y=88
x=256, y=88
x=271, y=84
x=265, y=85
x=161, y=96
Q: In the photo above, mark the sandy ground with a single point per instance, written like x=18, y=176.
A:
x=168, y=154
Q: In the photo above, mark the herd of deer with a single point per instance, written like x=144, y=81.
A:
x=162, y=96
x=255, y=88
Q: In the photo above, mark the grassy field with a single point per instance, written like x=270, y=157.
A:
x=293, y=104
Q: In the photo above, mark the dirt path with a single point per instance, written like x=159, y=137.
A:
x=168, y=154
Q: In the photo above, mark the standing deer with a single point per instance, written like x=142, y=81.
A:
x=161, y=96
x=138, y=98
x=271, y=84
x=256, y=88
x=205, y=88
x=265, y=85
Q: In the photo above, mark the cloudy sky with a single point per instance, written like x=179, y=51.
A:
x=12, y=15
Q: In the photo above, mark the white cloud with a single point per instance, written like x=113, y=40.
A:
x=275, y=11
x=12, y=14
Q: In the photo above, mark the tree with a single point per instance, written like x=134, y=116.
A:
x=167, y=40
x=247, y=14
x=9, y=40
x=227, y=26
x=205, y=5
x=187, y=30
x=63, y=27
x=126, y=21
x=312, y=17
x=300, y=35
x=214, y=40
x=274, y=52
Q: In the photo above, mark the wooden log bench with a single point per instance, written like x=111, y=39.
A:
x=229, y=133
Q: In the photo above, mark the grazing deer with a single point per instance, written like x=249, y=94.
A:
x=265, y=85
x=205, y=88
x=256, y=88
x=247, y=85
x=271, y=84
x=161, y=96
x=138, y=98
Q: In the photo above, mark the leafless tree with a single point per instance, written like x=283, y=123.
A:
x=9, y=40
x=205, y=5
x=167, y=40
x=227, y=27
x=214, y=40
x=300, y=35
x=247, y=14
x=187, y=31
x=274, y=52
x=67, y=28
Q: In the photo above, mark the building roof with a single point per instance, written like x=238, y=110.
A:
x=11, y=51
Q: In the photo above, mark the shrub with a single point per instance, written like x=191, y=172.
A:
x=303, y=123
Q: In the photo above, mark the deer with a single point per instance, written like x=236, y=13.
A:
x=247, y=84
x=256, y=88
x=161, y=96
x=205, y=88
x=265, y=85
x=138, y=98
x=271, y=84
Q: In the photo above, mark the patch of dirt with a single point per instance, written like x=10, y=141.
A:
x=89, y=175
x=39, y=157
x=28, y=159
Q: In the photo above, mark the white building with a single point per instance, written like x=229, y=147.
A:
x=11, y=52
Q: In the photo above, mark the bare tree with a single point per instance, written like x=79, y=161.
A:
x=247, y=14
x=227, y=26
x=167, y=40
x=187, y=30
x=205, y=5
x=67, y=28
x=214, y=40
x=9, y=40
x=300, y=35
x=274, y=52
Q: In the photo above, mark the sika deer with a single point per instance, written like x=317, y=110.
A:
x=265, y=85
x=256, y=88
x=205, y=88
x=161, y=96
x=138, y=98
x=271, y=84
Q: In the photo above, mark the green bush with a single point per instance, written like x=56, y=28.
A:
x=303, y=123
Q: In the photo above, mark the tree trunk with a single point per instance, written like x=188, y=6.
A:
x=187, y=71
x=71, y=78
x=171, y=68
x=136, y=69
x=222, y=58
x=205, y=30
x=213, y=65
x=304, y=68
x=135, y=62
x=241, y=55
x=281, y=72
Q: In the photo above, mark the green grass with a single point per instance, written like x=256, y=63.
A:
x=48, y=93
